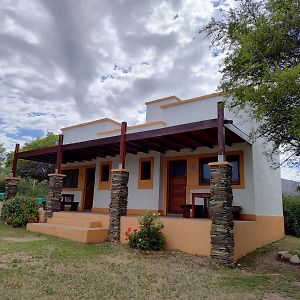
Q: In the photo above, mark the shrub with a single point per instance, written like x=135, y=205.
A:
x=2, y=183
x=149, y=236
x=33, y=188
x=291, y=212
x=19, y=211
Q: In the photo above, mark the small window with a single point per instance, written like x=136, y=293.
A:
x=71, y=179
x=146, y=170
x=145, y=173
x=105, y=175
x=204, y=175
x=105, y=172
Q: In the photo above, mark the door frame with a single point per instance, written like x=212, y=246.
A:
x=85, y=183
x=167, y=161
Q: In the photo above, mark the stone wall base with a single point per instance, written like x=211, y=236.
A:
x=118, y=204
x=222, y=236
x=11, y=187
x=54, y=196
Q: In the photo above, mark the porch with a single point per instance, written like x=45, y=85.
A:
x=192, y=236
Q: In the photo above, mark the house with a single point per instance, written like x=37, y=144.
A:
x=168, y=163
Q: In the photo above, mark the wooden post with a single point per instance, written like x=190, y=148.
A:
x=15, y=161
x=123, y=146
x=221, y=132
x=59, y=153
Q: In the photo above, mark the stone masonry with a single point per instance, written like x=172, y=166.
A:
x=222, y=238
x=54, y=196
x=118, y=204
x=11, y=187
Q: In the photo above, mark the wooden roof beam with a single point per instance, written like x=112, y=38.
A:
x=169, y=143
x=154, y=146
x=200, y=140
x=137, y=147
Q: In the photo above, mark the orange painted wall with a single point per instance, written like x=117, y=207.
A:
x=250, y=235
x=192, y=236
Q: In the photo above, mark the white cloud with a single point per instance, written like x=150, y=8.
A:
x=64, y=61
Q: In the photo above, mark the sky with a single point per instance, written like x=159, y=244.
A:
x=64, y=62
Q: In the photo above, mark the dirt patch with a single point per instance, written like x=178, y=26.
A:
x=24, y=239
x=271, y=259
x=17, y=259
x=274, y=296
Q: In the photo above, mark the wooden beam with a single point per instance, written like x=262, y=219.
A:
x=194, y=126
x=137, y=147
x=59, y=153
x=188, y=142
x=221, y=132
x=169, y=143
x=15, y=161
x=123, y=145
x=154, y=146
x=202, y=138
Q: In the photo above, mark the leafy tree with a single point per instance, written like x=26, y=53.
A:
x=260, y=41
x=32, y=169
x=2, y=156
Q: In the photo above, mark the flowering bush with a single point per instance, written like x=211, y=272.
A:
x=20, y=210
x=149, y=236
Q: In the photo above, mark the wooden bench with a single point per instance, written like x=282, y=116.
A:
x=68, y=199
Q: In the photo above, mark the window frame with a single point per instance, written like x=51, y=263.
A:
x=104, y=185
x=78, y=178
x=145, y=183
x=237, y=184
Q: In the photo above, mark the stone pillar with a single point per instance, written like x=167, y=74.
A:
x=222, y=238
x=54, y=196
x=118, y=203
x=11, y=187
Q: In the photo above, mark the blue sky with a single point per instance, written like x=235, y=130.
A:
x=65, y=62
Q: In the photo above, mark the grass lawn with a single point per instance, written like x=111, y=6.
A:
x=33, y=266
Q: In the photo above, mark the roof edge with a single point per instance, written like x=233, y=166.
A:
x=92, y=122
x=163, y=99
x=212, y=95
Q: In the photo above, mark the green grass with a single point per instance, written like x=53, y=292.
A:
x=52, y=268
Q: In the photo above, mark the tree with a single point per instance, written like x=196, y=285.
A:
x=2, y=156
x=32, y=169
x=260, y=41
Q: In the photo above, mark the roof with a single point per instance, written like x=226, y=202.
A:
x=189, y=135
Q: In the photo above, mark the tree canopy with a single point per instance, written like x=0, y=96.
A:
x=32, y=169
x=260, y=41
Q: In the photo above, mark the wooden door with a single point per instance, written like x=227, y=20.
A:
x=177, y=186
x=89, y=188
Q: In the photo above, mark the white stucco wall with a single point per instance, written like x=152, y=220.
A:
x=267, y=184
x=87, y=132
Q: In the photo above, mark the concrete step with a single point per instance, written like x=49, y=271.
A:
x=74, y=222
x=79, y=215
x=74, y=233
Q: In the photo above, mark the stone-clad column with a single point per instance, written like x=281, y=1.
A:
x=222, y=238
x=118, y=204
x=11, y=187
x=54, y=196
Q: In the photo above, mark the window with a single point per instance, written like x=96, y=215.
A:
x=146, y=170
x=204, y=175
x=146, y=173
x=105, y=175
x=71, y=179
